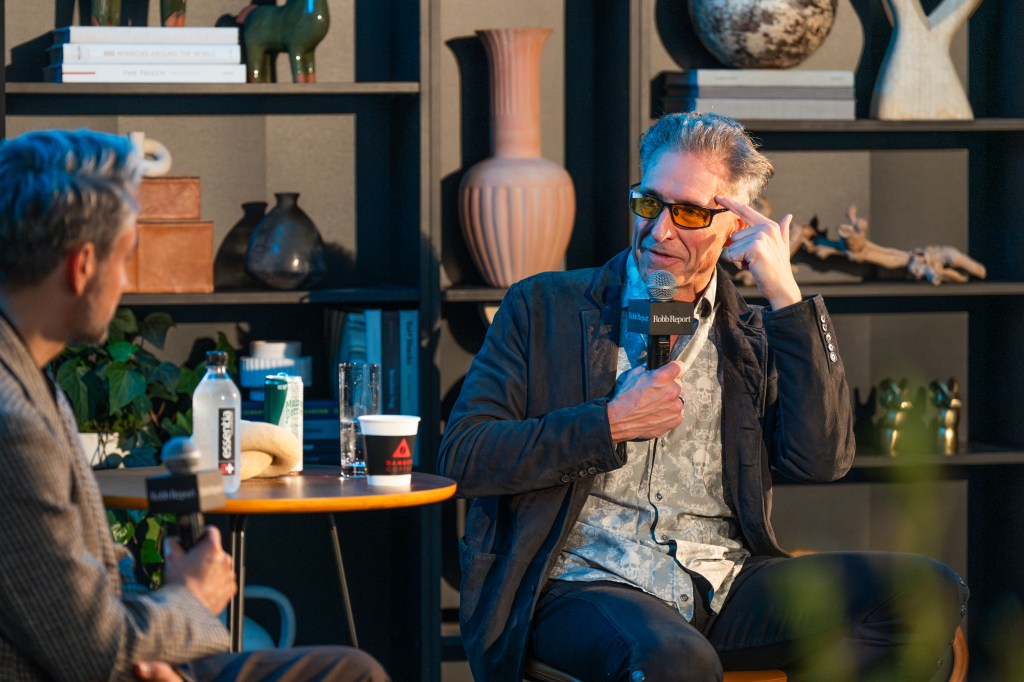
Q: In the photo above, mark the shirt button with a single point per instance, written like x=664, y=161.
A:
x=658, y=496
x=664, y=538
x=831, y=347
x=822, y=318
x=684, y=598
x=828, y=337
x=833, y=357
x=824, y=327
x=583, y=473
x=592, y=470
x=565, y=479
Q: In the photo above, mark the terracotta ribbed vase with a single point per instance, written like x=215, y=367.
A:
x=516, y=207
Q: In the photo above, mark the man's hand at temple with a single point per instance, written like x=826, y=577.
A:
x=647, y=404
x=763, y=249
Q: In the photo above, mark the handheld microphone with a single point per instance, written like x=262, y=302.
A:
x=185, y=491
x=659, y=317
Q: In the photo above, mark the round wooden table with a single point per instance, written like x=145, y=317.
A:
x=315, y=490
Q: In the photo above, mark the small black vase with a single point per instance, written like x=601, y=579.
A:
x=229, y=265
x=286, y=250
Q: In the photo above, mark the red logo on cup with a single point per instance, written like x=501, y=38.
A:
x=402, y=451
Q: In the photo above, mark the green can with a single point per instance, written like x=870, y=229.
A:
x=282, y=405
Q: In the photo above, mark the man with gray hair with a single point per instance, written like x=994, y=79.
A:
x=67, y=231
x=619, y=527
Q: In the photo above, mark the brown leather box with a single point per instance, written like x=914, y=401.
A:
x=132, y=270
x=174, y=257
x=169, y=198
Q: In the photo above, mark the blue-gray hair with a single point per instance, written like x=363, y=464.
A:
x=714, y=137
x=61, y=189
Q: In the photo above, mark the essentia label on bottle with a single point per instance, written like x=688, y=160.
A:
x=226, y=440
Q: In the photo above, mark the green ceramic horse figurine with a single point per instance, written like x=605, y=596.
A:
x=172, y=12
x=105, y=13
x=296, y=27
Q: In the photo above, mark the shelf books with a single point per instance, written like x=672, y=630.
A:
x=146, y=35
x=387, y=337
x=112, y=53
x=751, y=94
x=145, y=54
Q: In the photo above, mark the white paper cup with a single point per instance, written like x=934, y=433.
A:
x=388, y=442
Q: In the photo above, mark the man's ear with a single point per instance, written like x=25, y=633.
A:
x=737, y=224
x=81, y=267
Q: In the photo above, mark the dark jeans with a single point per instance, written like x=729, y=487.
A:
x=300, y=664
x=830, y=616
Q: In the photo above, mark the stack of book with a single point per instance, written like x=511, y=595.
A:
x=145, y=54
x=751, y=94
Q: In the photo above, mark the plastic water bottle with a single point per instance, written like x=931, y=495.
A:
x=216, y=416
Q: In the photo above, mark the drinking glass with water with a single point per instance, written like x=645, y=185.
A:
x=358, y=395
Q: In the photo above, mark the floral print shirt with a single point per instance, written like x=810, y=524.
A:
x=665, y=509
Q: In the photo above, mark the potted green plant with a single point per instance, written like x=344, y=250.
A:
x=121, y=387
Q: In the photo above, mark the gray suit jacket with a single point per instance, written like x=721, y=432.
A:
x=530, y=432
x=63, y=612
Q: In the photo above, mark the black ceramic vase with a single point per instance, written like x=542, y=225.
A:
x=286, y=250
x=229, y=265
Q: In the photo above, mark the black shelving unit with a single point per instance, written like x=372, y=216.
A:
x=246, y=141
x=985, y=318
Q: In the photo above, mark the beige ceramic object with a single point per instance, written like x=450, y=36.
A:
x=917, y=80
x=516, y=207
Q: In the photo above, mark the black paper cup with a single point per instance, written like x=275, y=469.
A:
x=388, y=441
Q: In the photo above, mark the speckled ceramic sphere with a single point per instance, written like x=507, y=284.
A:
x=762, y=34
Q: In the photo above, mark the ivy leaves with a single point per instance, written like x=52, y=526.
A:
x=142, y=533
x=121, y=387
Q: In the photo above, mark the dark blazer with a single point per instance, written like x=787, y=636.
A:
x=530, y=430
x=63, y=613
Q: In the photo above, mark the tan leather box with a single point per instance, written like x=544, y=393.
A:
x=169, y=198
x=174, y=257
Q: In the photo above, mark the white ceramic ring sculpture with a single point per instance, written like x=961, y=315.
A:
x=156, y=158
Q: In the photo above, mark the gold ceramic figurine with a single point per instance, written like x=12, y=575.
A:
x=895, y=398
x=946, y=397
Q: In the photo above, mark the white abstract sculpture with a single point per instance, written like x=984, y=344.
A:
x=917, y=80
x=156, y=158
